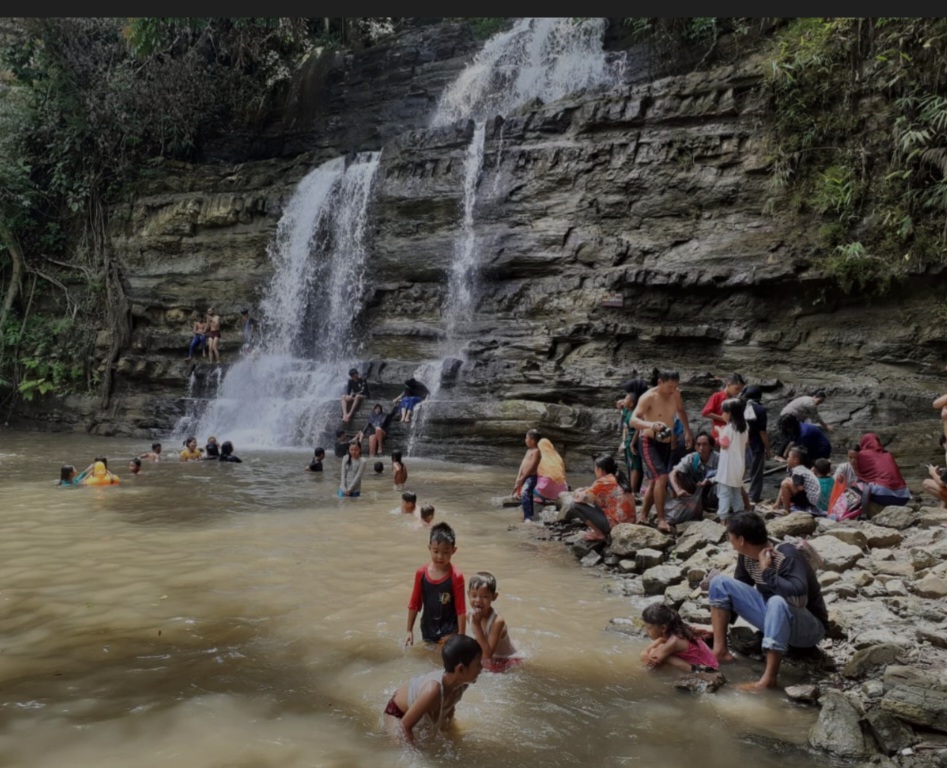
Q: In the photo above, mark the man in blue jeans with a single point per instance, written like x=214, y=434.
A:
x=774, y=588
x=527, y=477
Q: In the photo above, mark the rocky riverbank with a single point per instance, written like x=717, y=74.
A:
x=879, y=677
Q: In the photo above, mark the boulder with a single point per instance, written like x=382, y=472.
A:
x=592, y=558
x=918, y=706
x=868, y=659
x=891, y=735
x=851, y=536
x=894, y=517
x=880, y=536
x=628, y=539
x=838, y=729
x=793, y=524
x=659, y=578
x=627, y=566
x=836, y=554
x=931, y=586
x=931, y=517
x=893, y=568
x=805, y=693
x=700, y=682
x=648, y=558
x=896, y=588
x=900, y=674
x=676, y=595
x=697, y=536
x=695, y=614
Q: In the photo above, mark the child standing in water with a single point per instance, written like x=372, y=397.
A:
x=673, y=642
x=438, y=593
x=315, y=465
x=486, y=626
x=432, y=697
x=398, y=470
x=732, y=442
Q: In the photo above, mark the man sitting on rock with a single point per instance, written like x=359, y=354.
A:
x=774, y=589
x=692, y=486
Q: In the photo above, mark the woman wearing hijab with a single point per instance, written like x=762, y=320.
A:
x=551, y=473
x=879, y=475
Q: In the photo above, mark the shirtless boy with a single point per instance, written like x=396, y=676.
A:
x=213, y=334
x=653, y=417
x=526, y=478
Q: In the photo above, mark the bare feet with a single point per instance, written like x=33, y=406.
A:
x=760, y=685
x=665, y=527
x=724, y=657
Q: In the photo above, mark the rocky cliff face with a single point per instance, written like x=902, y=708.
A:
x=616, y=230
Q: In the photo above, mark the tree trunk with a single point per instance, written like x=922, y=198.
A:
x=13, y=290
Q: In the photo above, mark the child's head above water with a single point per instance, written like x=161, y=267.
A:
x=427, y=513
x=663, y=621
x=134, y=465
x=66, y=473
x=379, y=467
x=822, y=467
x=462, y=651
x=319, y=453
x=408, y=501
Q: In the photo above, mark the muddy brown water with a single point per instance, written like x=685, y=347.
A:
x=207, y=614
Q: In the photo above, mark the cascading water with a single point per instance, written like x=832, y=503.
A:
x=286, y=391
x=537, y=58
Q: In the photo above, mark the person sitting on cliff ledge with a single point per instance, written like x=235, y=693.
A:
x=356, y=391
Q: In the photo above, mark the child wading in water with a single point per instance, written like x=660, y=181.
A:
x=431, y=697
x=399, y=471
x=674, y=643
x=487, y=627
x=733, y=439
x=438, y=593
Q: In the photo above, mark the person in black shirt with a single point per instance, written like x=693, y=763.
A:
x=757, y=446
x=376, y=428
x=226, y=453
x=414, y=393
x=355, y=393
x=342, y=442
x=315, y=465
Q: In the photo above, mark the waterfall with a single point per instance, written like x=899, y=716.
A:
x=537, y=58
x=285, y=392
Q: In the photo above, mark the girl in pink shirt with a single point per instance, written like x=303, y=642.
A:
x=674, y=642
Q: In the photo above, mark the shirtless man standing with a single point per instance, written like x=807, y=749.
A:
x=213, y=334
x=653, y=417
x=526, y=478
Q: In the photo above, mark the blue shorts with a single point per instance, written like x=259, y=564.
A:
x=408, y=403
x=341, y=494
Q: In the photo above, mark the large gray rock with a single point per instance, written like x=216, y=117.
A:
x=894, y=517
x=918, y=706
x=648, y=558
x=880, y=536
x=659, y=578
x=628, y=539
x=836, y=554
x=931, y=586
x=697, y=536
x=869, y=659
x=793, y=524
x=838, y=729
x=891, y=735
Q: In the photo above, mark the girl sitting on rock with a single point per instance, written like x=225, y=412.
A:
x=674, y=643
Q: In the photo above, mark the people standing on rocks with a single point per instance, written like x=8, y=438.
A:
x=527, y=477
x=674, y=643
x=199, y=338
x=800, y=490
x=356, y=391
x=438, y=593
x=712, y=409
x=606, y=503
x=213, y=335
x=550, y=474
x=878, y=475
x=694, y=490
x=774, y=589
x=654, y=416
x=629, y=447
x=414, y=394
x=353, y=467
x=733, y=440
x=806, y=409
x=805, y=435
x=757, y=444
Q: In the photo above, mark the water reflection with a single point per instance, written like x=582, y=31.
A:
x=242, y=615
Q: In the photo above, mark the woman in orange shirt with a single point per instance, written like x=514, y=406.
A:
x=607, y=502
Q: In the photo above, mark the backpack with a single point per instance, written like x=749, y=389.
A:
x=847, y=505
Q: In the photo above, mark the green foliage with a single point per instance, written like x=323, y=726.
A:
x=853, y=268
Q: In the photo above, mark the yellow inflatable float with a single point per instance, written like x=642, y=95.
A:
x=100, y=476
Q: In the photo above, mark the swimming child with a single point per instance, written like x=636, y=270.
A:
x=227, y=454
x=134, y=466
x=100, y=475
x=408, y=502
x=822, y=468
x=379, y=467
x=732, y=462
x=438, y=593
x=154, y=454
x=430, y=699
x=317, y=456
x=191, y=452
x=398, y=470
x=212, y=449
x=426, y=515
x=68, y=476
x=486, y=626
x=673, y=642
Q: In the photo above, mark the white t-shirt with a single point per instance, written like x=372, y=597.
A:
x=732, y=458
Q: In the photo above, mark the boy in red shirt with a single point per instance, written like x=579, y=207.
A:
x=712, y=410
x=438, y=593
